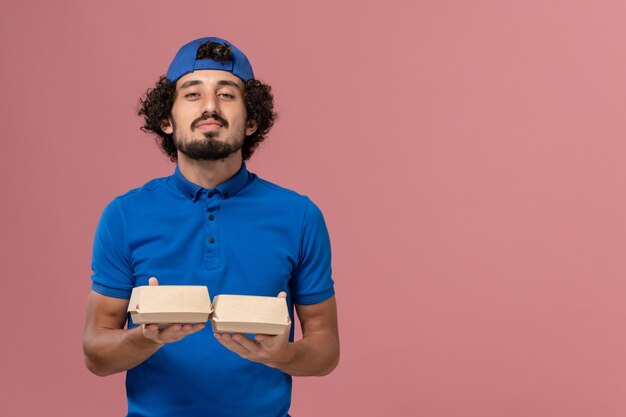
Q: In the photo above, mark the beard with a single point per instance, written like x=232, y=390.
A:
x=209, y=148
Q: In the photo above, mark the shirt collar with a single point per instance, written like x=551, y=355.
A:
x=228, y=188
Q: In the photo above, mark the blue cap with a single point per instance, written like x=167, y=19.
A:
x=185, y=61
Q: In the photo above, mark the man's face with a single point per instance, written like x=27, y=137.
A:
x=208, y=119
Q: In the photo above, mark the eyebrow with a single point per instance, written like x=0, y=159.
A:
x=228, y=82
x=191, y=83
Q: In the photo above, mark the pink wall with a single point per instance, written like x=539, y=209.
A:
x=468, y=156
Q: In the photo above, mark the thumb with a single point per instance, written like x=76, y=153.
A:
x=153, y=281
x=282, y=294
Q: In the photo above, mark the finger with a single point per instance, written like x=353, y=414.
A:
x=192, y=328
x=173, y=328
x=153, y=281
x=197, y=327
x=227, y=341
x=150, y=331
x=172, y=333
x=282, y=294
x=247, y=343
x=265, y=340
x=177, y=332
x=151, y=327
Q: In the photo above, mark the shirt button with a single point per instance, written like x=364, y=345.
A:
x=210, y=195
x=211, y=240
x=226, y=195
x=211, y=217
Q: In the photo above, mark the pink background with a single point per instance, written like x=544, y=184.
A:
x=468, y=156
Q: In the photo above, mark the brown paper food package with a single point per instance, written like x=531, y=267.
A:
x=165, y=304
x=250, y=314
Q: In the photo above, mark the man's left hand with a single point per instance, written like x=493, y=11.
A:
x=272, y=351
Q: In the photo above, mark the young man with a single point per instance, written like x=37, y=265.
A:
x=211, y=223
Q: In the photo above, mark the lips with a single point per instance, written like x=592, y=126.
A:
x=208, y=126
x=209, y=123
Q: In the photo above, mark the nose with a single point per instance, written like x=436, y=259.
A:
x=210, y=104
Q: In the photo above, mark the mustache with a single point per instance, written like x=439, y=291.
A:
x=206, y=116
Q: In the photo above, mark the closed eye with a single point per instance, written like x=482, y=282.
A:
x=192, y=95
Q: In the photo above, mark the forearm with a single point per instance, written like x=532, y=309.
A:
x=109, y=351
x=314, y=355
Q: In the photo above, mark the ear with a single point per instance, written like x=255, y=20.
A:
x=251, y=127
x=166, y=126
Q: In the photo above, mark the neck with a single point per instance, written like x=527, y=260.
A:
x=209, y=174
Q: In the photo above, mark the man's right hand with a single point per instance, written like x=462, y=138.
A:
x=110, y=348
x=170, y=333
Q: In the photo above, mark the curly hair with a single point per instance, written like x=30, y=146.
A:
x=156, y=106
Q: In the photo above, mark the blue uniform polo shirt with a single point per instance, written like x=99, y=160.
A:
x=246, y=236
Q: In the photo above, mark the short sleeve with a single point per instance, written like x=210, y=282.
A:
x=112, y=274
x=312, y=281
